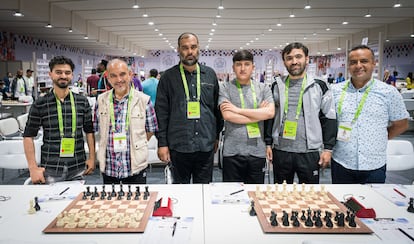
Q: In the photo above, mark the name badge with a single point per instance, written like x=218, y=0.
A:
x=193, y=110
x=344, y=131
x=67, y=147
x=120, y=142
x=289, y=130
x=253, y=130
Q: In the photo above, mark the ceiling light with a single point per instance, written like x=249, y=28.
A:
x=368, y=15
x=397, y=4
x=412, y=35
x=213, y=30
x=328, y=29
x=305, y=38
x=307, y=6
x=221, y=5
x=218, y=14
x=257, y=38
x=48, y=26
x=338, y=48
x=387, y=40
x=160, y=34
x=150, y=23
x=278, y=24
x=145, y=15
x=70, y=30
x=291, y=15
x=345, y=22
x=86, y=37
x=156, y=29
x=18, y=14
x=135, y=5
x=314, y=33
x=214, y=23
x=270, y=29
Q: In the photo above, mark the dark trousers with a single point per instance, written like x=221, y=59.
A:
x=198, y=165
x=140, y=178
x=305, y=165
x=342, y=175
x=247, y=169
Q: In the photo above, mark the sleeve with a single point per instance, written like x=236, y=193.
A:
x=34, y=121
x=327, y=117
x=96, y=117
x=396, y=106
x=87, y=120
x=151, y=124
x=162, y=105
x=217, y=112
x=223, y=93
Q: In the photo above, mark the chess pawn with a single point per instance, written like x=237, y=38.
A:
x=31, y=210
x=303, y=192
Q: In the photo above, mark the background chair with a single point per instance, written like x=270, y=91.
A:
x=12, y=154
x=9, y=129
x=3, y=115
x=153, y=152
x=22, y=120
x=400, y=155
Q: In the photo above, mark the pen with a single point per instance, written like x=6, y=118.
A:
x=236, y=192
x=174, y=227
x=406, y=234
x=67, y=188
x=397, y=191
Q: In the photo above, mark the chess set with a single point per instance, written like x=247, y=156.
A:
x=109, y=212
x=303, y=211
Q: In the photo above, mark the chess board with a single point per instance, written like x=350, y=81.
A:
x=109, y=216
x=288, y=201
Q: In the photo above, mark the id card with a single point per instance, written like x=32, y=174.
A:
x=289, y=130
x=344, y=131
x=120, y=142
x=67, y=147
x=193, y=110
x=253, y=130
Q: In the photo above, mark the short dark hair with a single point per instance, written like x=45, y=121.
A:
x=186, y=35
x=61, y=60
x=363, y=47
x=153, y=73
x=294, y=45
x=243, y=55
x=93, y=71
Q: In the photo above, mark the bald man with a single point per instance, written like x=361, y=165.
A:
x=126, y=120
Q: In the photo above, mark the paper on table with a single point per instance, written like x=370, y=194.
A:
x=63, y=190
x=387, y=229
x=171, y=230
x=397, y=194
x=228, y=192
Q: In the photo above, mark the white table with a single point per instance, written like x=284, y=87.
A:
x=17, y=224
x=232, y=221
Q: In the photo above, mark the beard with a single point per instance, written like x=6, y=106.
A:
x=295, y=72
x=60, y=84
x=189, y=62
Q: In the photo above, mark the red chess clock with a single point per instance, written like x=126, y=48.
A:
x=359, y=210
x=163, y=207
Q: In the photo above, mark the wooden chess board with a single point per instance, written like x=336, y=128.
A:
x=114, y=216
x=289, y=201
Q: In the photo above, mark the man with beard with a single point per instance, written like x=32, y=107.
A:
x=126, y=120
x=19, y=85
x=62, y=115
x=370, y=113
x=304, y=127
x=189, y=120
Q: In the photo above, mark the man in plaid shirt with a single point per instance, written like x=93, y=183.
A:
x=126, y=120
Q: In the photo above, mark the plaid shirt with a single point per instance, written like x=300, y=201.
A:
x=118, y=163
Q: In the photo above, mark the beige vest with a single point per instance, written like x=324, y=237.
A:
x=137, y=134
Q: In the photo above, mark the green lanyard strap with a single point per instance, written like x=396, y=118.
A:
x=60, y=117
x=299, y=107
x=361, y=103
x=184, y=79
x=111, y=110
x=241, y=95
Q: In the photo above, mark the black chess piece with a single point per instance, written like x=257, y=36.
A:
x=103, y=191
x=351, y=222
x=410, y=205
x=36, y=205
x=329, y=223
x=96, y=192
x=303, y=217
x=128, y=196
x=341, y=220
x=318, y=221
x=309, y=222
x=273, y=219
x=88, y=191
x=102, y=196
x=84, y=196
x=109, y=197
x=296, y=221
x=121, y=190
x=137, y=191
x=113, y=193
x=92, y=197
x=147, y=191
x=252, y=211
x=347, y=216
x=285, y=218
x=327, y=216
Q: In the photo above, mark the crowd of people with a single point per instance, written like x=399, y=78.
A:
x=299, y=124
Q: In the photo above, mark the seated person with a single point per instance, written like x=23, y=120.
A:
x=4, y=91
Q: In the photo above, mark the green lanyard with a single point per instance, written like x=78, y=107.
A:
x=361, y=103
x=111, y=109
x=299, y=108
x=60, y=117
x=241, y=94
x=187, y=94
